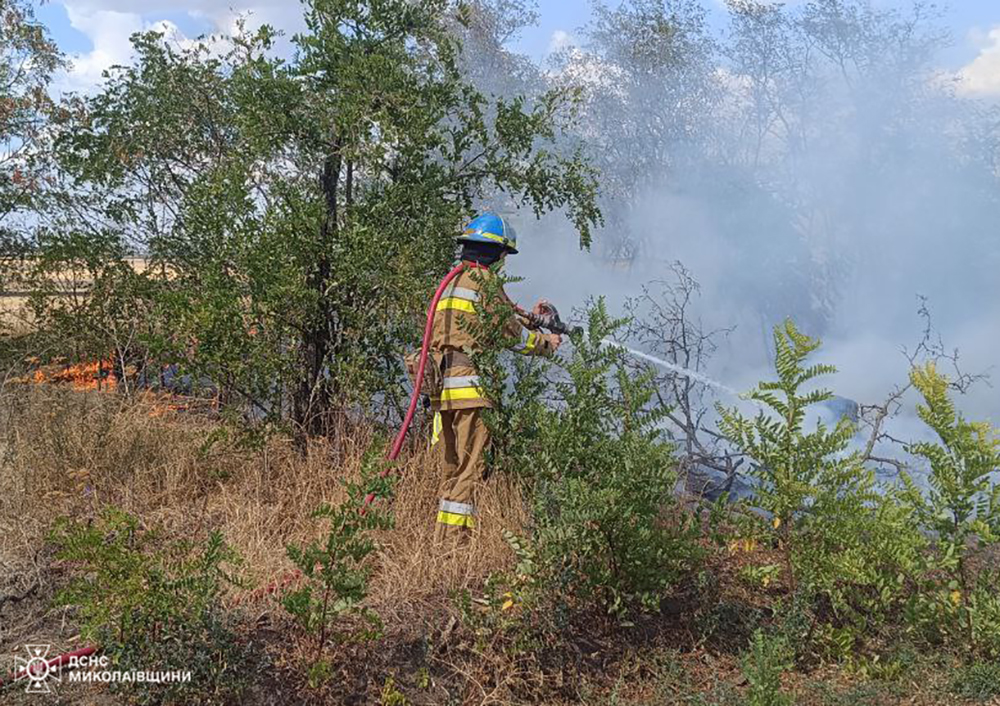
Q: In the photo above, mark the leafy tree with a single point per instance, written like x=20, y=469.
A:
x=28, y=58
x=301, y=211
x=646, y=74
x=486, y=29
x=830, y=110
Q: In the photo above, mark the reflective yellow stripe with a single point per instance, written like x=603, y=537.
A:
x=455, y=303
x=450, y=518
x=495, y=238
x=461, y=393
x=526, y=346
x=436, y=427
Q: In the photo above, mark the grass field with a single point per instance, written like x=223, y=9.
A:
x=69, y=453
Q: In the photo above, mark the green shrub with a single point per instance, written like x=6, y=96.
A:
x=844, y=546
x=606, y=529
x=960, y=511
x=763, y=664
x=154, y=608
x=335, y=573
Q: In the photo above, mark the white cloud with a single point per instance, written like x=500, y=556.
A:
x=109, y=32
x=108, y=24
x=982, y=76
x=220, y=14
x=560, y=40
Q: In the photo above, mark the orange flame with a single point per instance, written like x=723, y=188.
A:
x=99, y=375
x=83, y=376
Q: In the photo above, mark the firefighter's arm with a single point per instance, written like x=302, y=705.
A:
x=530, y=342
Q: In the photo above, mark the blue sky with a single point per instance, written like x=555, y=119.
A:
x=95, y=32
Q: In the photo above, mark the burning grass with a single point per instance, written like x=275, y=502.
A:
x=91, y=375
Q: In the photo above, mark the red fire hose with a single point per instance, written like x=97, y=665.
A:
x=392, y=455
x=397, y=445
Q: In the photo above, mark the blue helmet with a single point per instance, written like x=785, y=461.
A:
x=490, y=228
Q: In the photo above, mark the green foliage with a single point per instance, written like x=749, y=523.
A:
x=153, y=607
x=605, y=525
x=790, y=463
x=763, y=664
x=960, y=510
x=304, y=209
x=759, y=576
x=508, y=610
x=335, y=570
x=845, y=546
x=28, y=59
x=320, y=672
x=979, y=680
x=391, y=696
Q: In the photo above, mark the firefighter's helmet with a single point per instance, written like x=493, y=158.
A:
x=490, y=228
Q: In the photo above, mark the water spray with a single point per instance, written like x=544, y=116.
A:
x=673, y=367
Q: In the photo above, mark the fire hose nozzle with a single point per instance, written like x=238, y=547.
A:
x=564, y=329
x=549, y=320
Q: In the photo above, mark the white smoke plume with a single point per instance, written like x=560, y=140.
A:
x=809, y=163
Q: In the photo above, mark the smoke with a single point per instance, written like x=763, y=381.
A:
x=815, y=166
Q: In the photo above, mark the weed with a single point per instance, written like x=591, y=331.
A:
x=319, y=672
x=960, y=509
x=979, y=680
x=763, y=664
x=336, y=576
x=154, y=608
x=391, y=696
x=845, y=548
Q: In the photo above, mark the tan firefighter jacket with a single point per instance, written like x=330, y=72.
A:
x=452, y=339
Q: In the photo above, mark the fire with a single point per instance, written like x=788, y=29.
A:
x=161, y=403
x=93, y=375
x=99, y=375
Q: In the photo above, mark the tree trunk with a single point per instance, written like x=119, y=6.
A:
x=311, y=400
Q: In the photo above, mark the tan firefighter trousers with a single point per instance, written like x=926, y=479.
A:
x=465, y=437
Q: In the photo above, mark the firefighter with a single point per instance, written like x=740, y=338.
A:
x=488, y=239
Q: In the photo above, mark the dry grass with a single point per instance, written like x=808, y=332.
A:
x=67, y=452
x=71, y=453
